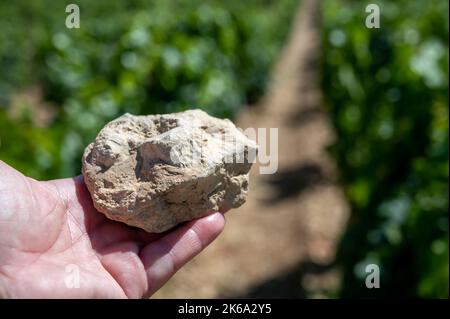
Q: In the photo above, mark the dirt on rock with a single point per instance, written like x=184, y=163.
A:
x=282, y=242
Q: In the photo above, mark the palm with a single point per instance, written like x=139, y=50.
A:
x=53, y=243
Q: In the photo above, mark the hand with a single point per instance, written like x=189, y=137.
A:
x=54, y=244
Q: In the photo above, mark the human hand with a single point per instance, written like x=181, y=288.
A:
x=50, y=231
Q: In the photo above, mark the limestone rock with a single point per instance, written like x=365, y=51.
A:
x=157, y=171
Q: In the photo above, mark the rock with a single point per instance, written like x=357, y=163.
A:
x=157, y=171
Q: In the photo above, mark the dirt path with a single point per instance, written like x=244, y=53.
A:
x=281, y=243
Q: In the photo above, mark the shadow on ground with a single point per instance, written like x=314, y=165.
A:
x=287, y=285
x=291, y=182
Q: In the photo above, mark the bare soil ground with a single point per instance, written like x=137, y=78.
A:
x=282, y=242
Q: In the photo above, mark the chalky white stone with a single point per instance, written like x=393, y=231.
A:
x=157, y=171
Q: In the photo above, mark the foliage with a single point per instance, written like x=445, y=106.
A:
x=128, y=56
x=387, y=92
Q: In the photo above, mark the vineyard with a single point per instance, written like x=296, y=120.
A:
x=129, y=56
x=384, y=93
x=387, y=93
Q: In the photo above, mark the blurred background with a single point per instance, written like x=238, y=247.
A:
x=362, y=117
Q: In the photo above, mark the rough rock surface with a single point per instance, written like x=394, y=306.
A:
x=157, y=171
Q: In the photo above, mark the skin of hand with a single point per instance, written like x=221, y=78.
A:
x=54, y=244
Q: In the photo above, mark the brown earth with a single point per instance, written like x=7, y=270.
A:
x=282, y=242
